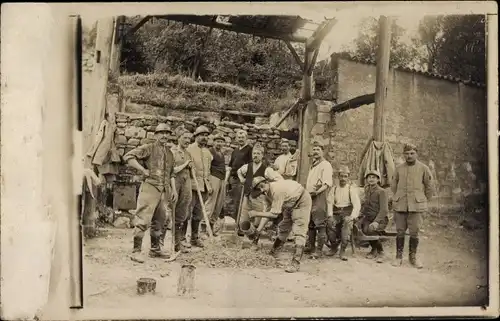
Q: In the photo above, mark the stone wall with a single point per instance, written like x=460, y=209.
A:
x=136, y=129
x=445, y=119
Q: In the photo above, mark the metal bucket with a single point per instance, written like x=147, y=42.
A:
x=247, y=228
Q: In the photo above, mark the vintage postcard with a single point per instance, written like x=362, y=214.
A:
x=256, y=160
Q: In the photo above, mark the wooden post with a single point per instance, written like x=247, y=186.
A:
x=185, y=285
x=94, y=112
x=383, y=55
x=116, y=47
x=305, y=120
x=146, y=285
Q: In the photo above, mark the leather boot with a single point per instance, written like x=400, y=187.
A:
x=163, y=234
x=400, y=244
x=294, y=265
x=195, y=239
x=136, y=255
x=178, y=239
x=277, y=245
x=321, y=236
x=311, y=241
x=380, y=252
x=334, y=247
x=156, y=251
x=413, y=253
x=373, y=253
x=182, y=234
x=343, y=247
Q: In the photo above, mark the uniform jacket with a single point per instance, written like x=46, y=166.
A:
x=158, y=159
x=378, y=156
x=412, y=187
x=375, y=206
x=202, y=160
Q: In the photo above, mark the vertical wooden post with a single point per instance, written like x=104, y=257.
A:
x=185, y=284
x=305, y=126
x=116, y=47
x=94, y=112
x=383, y=55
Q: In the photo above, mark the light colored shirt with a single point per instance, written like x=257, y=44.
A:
x=281, y=162
x=319, y=174
x=202, y=160
x=269, y=173
x=345, y=196
x=284, y=193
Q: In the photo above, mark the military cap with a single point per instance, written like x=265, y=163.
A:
x=219, y=137
x=344, y=169
x=201, y=130
x=163, y=128
x=257, y=180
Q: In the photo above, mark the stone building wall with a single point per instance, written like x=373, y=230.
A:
x=445, y=119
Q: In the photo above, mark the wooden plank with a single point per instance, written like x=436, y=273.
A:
x=295, y=55
x=382, y=71
x=116, y=47
x=287, y=113
x=207, y=22
x=354, y=103
x=141, y=23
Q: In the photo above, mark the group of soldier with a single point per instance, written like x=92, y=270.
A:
x=181, y=176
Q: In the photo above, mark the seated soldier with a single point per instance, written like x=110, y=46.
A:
x=374, y=213
x=343, y=209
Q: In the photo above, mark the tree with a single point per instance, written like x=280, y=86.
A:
x=366, y=44
x=430, y=31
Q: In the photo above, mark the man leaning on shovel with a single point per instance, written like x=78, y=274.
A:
x=157, y=190
x=291, y=199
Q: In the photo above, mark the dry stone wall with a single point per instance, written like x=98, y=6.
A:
x=137, y=129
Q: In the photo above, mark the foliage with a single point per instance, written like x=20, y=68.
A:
x=252, y=63
x=180, y=92
x=456, y=45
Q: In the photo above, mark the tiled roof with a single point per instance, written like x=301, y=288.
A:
x=347, y=56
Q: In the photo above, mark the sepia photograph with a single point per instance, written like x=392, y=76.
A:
x=273, y=161
x=241, y=161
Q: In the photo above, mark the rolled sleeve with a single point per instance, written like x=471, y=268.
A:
x=141, y=152
x=356, y=202
x=327, y=174
x=271, y=175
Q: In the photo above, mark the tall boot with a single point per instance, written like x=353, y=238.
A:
x=311, y=241
x=380, y=252
x=156, y=251
x=136, y=252
x=373, y=253
x=334, y=244
x=321, y=237
x=183, y=234
x=277, y=245
x=400, y=244
x=295, y=263
x=179, y=246
x=163, y=234
x=343, y=247
x=195, y=238
x=413, y=253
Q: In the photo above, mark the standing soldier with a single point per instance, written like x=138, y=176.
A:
x=374, y=213
x=281, y=161
x=201, y=162
x=217, y=176
x=157, y=189
x=239, y=157
x=319, y=181
x=343, y=209
x=291, y=199
x=182, y=161
x=412, y=188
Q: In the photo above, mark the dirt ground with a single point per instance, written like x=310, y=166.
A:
x=227, y=276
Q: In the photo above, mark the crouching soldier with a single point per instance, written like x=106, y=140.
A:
x=374, y=213
x=291, y=199
x=343, y=209
x=157, y=190
x=319, y=181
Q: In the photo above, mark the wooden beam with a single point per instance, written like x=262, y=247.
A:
x=382, y=71
x=354, y=103
x=312, y=64
x=137, y=26
x=207, y=22
x=295, y=55
x=319, y=35
x=287, y=113
x=116, y=47
x=307, y=78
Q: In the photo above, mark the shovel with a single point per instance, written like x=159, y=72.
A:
x=202, y=203
x=174, y=255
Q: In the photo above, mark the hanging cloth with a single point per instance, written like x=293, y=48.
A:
x=378, y=156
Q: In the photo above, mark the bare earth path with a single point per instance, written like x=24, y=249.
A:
x=455, y=274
